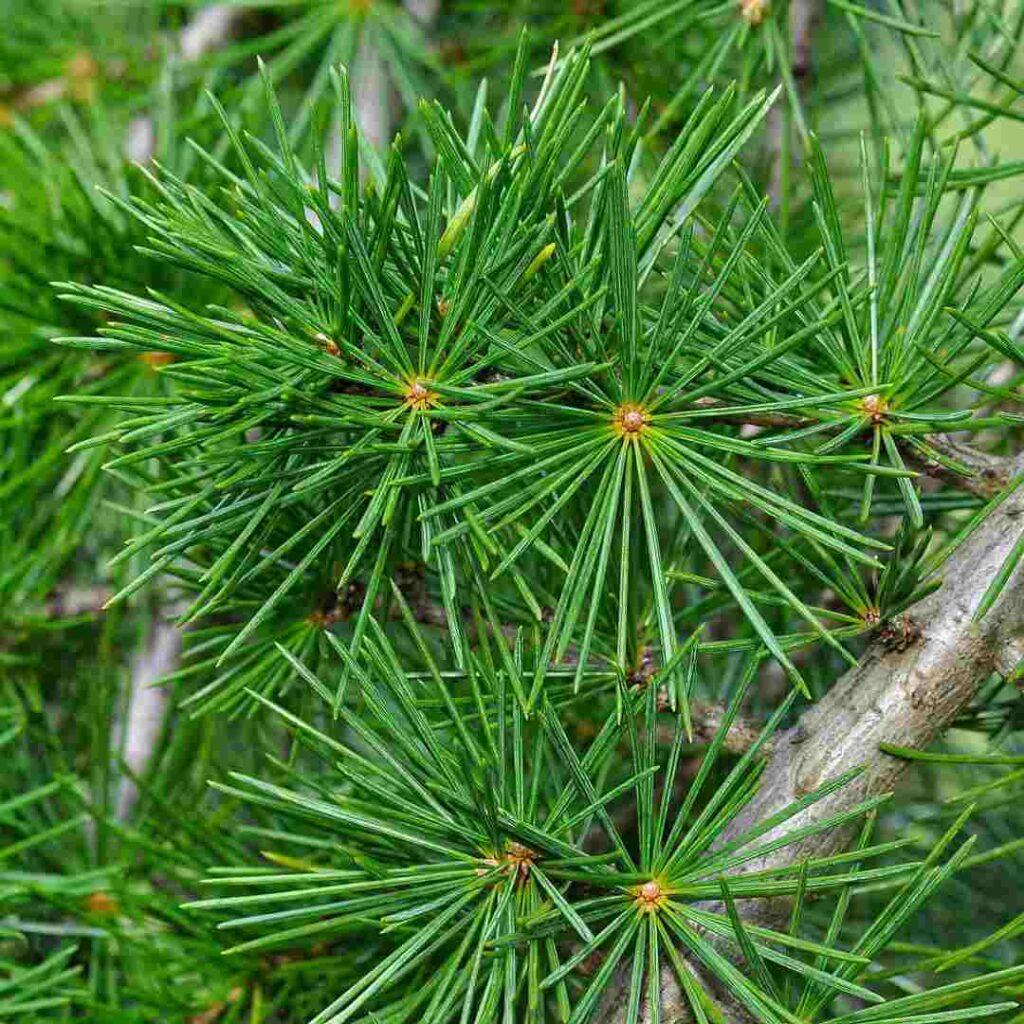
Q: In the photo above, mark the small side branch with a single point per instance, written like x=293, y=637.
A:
x=961, y=465
x=707, y=717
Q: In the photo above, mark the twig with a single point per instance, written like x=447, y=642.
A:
x=425, y=12
x=211, y=28
x=68, y=602
x=371, y=96
x=962, y=465
x=146, y=706
x=959, y=464
x=706, y=718
x=804, y=16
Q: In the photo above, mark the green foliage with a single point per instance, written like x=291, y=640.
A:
x=514, y=487
x=305, y=41
x=53, y=505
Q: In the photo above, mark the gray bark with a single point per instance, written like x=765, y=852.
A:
x=147, y=705
x=906, y=697
x=211, y=28
x=903, y=697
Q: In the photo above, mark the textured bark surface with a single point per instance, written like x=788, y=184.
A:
x=905, y=697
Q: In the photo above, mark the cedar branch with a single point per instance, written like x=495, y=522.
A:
x=904, y=697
